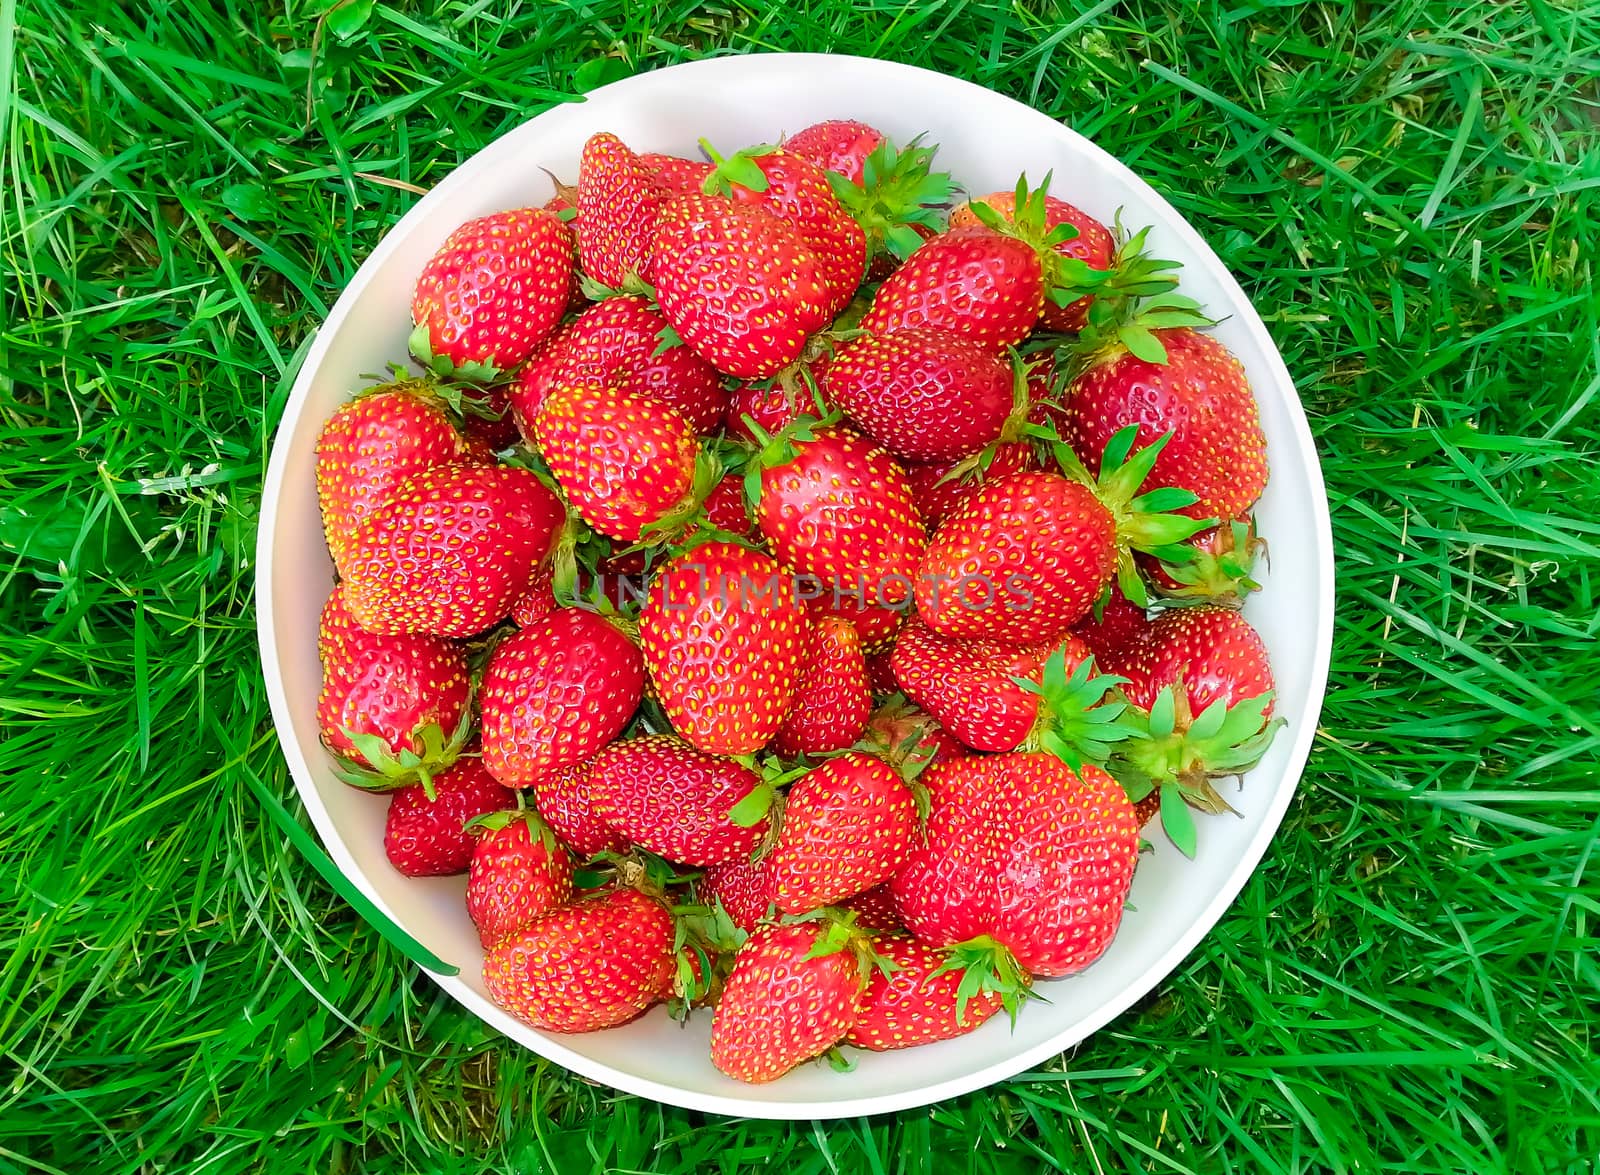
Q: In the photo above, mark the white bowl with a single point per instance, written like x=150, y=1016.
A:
x=985, y=140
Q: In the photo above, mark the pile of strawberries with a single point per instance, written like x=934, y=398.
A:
x=788, y=588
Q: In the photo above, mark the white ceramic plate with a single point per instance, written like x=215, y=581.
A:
x=985, y=141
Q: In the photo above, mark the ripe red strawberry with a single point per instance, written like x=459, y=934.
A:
x=564, y=796
x=1201, y=395
x=537, y=600
x=535, y=379
x=925, y=395
x=493, y=292
x=1024, y=851
x=428, y=837
x=624, y=460
x=739, y=286
x=593, y=964
x=488, y=420
x=939, y=489
x=1120, y=622
x=451, y=551
x=619, y=206
x=832, y=698
x=838, y=508
x=910, y=740
x=919, y=1001
x=661, y=794
x=796, y=191
x=880, y=672
x=743, y=889
x=968, y=685
x=847, y=825
x=874, y=909
x=1091, y=244
x=369, y=446
x=1023, y=559
x=723, y=640
x=1220, y=566
x=405, y=698
x=618, y=343
x=725, y=509
x=875, y=623
x=784, y=1002
x=995, y=697
x=983, y=286
x=839, y=145
x=555, y=693
x=680, y=176
x=519, y=872
x=772, y=408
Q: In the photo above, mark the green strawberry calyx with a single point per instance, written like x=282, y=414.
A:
x=739, y=168
x=1066, y=279
x=1181, y=753
x=420, y=345
x=429, y=752
x=487, y=822
x=1080, y=713
x=1221, y=576
x=988, y=966
x=837, y=933
x=1144, y=521
x=898, y=190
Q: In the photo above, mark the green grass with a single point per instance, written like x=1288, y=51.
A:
x=1411, y=193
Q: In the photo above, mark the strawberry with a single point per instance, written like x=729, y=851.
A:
x=838, y=508
x=1086, y=242
x=940, y=488
x=743, y=889
x=831, y=699
x=1019, y=562
x=925, y=395
x=795, y=190
x=874, y=908
x=534, y=380
x=425, y=834
x=847, y=825
x=1202, y=678
x=679, y=176
x=624, y=344
x=1024, y=861
x=619, y=206
x=451, y=551
x=725, y=509
x=662, y=794
x=839, y=145
x=1215, y=565
x=519, y=872
x=791, y=996
x=537, y=600
x=372, y=444
x=564, y=796
x=917, y=999
x=1200, y=394
x=875, y=623
x=397, y=705
x=739, y=286
x=624, y=459
x=981, y=285
x=555, y=693
x=492, y=293
x=1111, y=627
x=996, y=697
x=910, y=740
x=723, y=640
x=593, y=964
x=880, y=672
x=772, y=408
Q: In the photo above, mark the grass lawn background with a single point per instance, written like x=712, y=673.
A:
x=1408, y=191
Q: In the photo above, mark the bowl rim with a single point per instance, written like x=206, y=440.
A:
x=723, y=70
